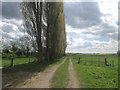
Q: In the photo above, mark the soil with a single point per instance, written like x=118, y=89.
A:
x=41, y=80
x=73, y=81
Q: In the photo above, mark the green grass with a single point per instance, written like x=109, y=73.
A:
x=21, y=64
x=17, y=61
x=0, y=62
x=97, y=75
x=21, y=72
x=60, y=78
x=58, y=61
x=96, y=60
x=119, y=72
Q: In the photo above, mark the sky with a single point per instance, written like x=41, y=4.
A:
x=91, y=26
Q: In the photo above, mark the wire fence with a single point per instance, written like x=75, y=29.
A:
x=97, y=60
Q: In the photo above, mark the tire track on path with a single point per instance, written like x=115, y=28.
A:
x=42, y=80
x=73, y=81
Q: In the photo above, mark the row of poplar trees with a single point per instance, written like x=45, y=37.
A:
x=45, y=23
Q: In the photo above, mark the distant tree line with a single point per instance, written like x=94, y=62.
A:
x=22, y=47
x=45, y=23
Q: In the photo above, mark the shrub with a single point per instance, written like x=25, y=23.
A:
x=8, y=55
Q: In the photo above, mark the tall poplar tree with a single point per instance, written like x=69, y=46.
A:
x=56, y=35
x=44, y=21
x=32, y=12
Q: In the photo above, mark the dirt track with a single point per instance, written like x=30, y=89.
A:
x=73, y=81
x=41, y=80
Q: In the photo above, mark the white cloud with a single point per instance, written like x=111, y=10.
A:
x=101, y=36
x=83, y=40
x=110, y=10
x=91, y=27
x=11, y=29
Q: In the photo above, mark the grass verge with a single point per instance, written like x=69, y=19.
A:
x=95, y=76
x=60, y=78
x=32, y=66
x=21, y=72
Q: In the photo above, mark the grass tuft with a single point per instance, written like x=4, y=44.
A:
x=60, y=78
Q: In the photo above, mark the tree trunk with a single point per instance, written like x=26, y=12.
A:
x=39, y=24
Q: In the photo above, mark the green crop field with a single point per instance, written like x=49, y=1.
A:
x=93, y=73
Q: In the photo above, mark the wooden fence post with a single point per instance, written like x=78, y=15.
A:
x=11, y=62
x=79, y=60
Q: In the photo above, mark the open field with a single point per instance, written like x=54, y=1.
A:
x=17, y=61
x=97, y=59
x=94, y=74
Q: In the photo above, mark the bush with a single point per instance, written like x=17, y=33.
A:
x=8, y=55
x=22, y=56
